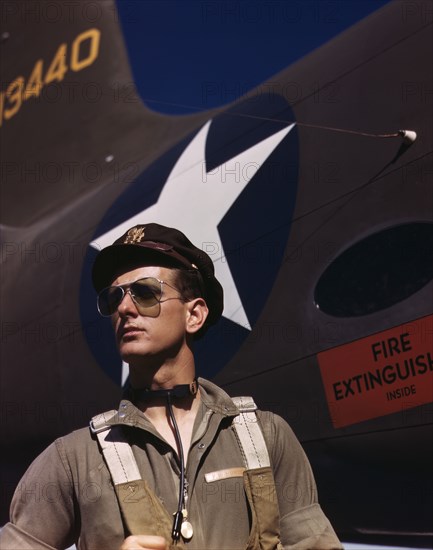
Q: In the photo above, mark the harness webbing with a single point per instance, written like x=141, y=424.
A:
x=126, y=477
x=141, y=509
x=116, y=450
x=123, y=466
x=249, y=434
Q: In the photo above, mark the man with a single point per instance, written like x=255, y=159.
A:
x=179, y=464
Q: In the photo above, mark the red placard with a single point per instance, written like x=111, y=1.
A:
x=384, y=373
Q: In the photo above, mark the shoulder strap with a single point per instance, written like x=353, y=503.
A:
x=249, y=434
x=259, y=481
x=116, y=450
x=142, y=511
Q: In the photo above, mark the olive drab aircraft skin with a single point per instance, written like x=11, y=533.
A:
x=316, y=212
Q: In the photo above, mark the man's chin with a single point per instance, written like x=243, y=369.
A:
x=136, y=357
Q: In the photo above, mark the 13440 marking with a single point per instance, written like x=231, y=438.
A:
x=83, y=51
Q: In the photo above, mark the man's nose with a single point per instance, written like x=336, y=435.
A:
x=127, y=305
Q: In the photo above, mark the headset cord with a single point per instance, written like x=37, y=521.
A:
x=178, y=517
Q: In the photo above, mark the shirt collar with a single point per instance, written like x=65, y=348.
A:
x=213, y=398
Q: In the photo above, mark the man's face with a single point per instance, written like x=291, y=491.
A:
x=158, y=332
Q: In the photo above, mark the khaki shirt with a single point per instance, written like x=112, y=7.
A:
x=66, y=495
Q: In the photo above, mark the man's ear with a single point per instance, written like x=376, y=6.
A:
x=197, y=315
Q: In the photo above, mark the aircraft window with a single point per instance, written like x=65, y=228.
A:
x=377, y=272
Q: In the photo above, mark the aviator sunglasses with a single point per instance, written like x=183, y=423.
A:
x=145, y=293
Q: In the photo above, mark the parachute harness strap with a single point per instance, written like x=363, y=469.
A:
x=249, y=434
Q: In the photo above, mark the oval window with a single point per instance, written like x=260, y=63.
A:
x=377, y=272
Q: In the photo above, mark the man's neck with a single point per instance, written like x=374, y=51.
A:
x=184, y=410
x=156, y=408
x=163, y=372
x=165, y=377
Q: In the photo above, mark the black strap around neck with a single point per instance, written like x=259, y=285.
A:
x=145, y=394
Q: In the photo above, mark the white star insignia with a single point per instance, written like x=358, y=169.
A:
x=194, y=201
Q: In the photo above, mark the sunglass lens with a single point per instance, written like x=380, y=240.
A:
x=146, y=292
x=109, y=299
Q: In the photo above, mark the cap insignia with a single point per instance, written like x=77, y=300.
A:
x=134, y=235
